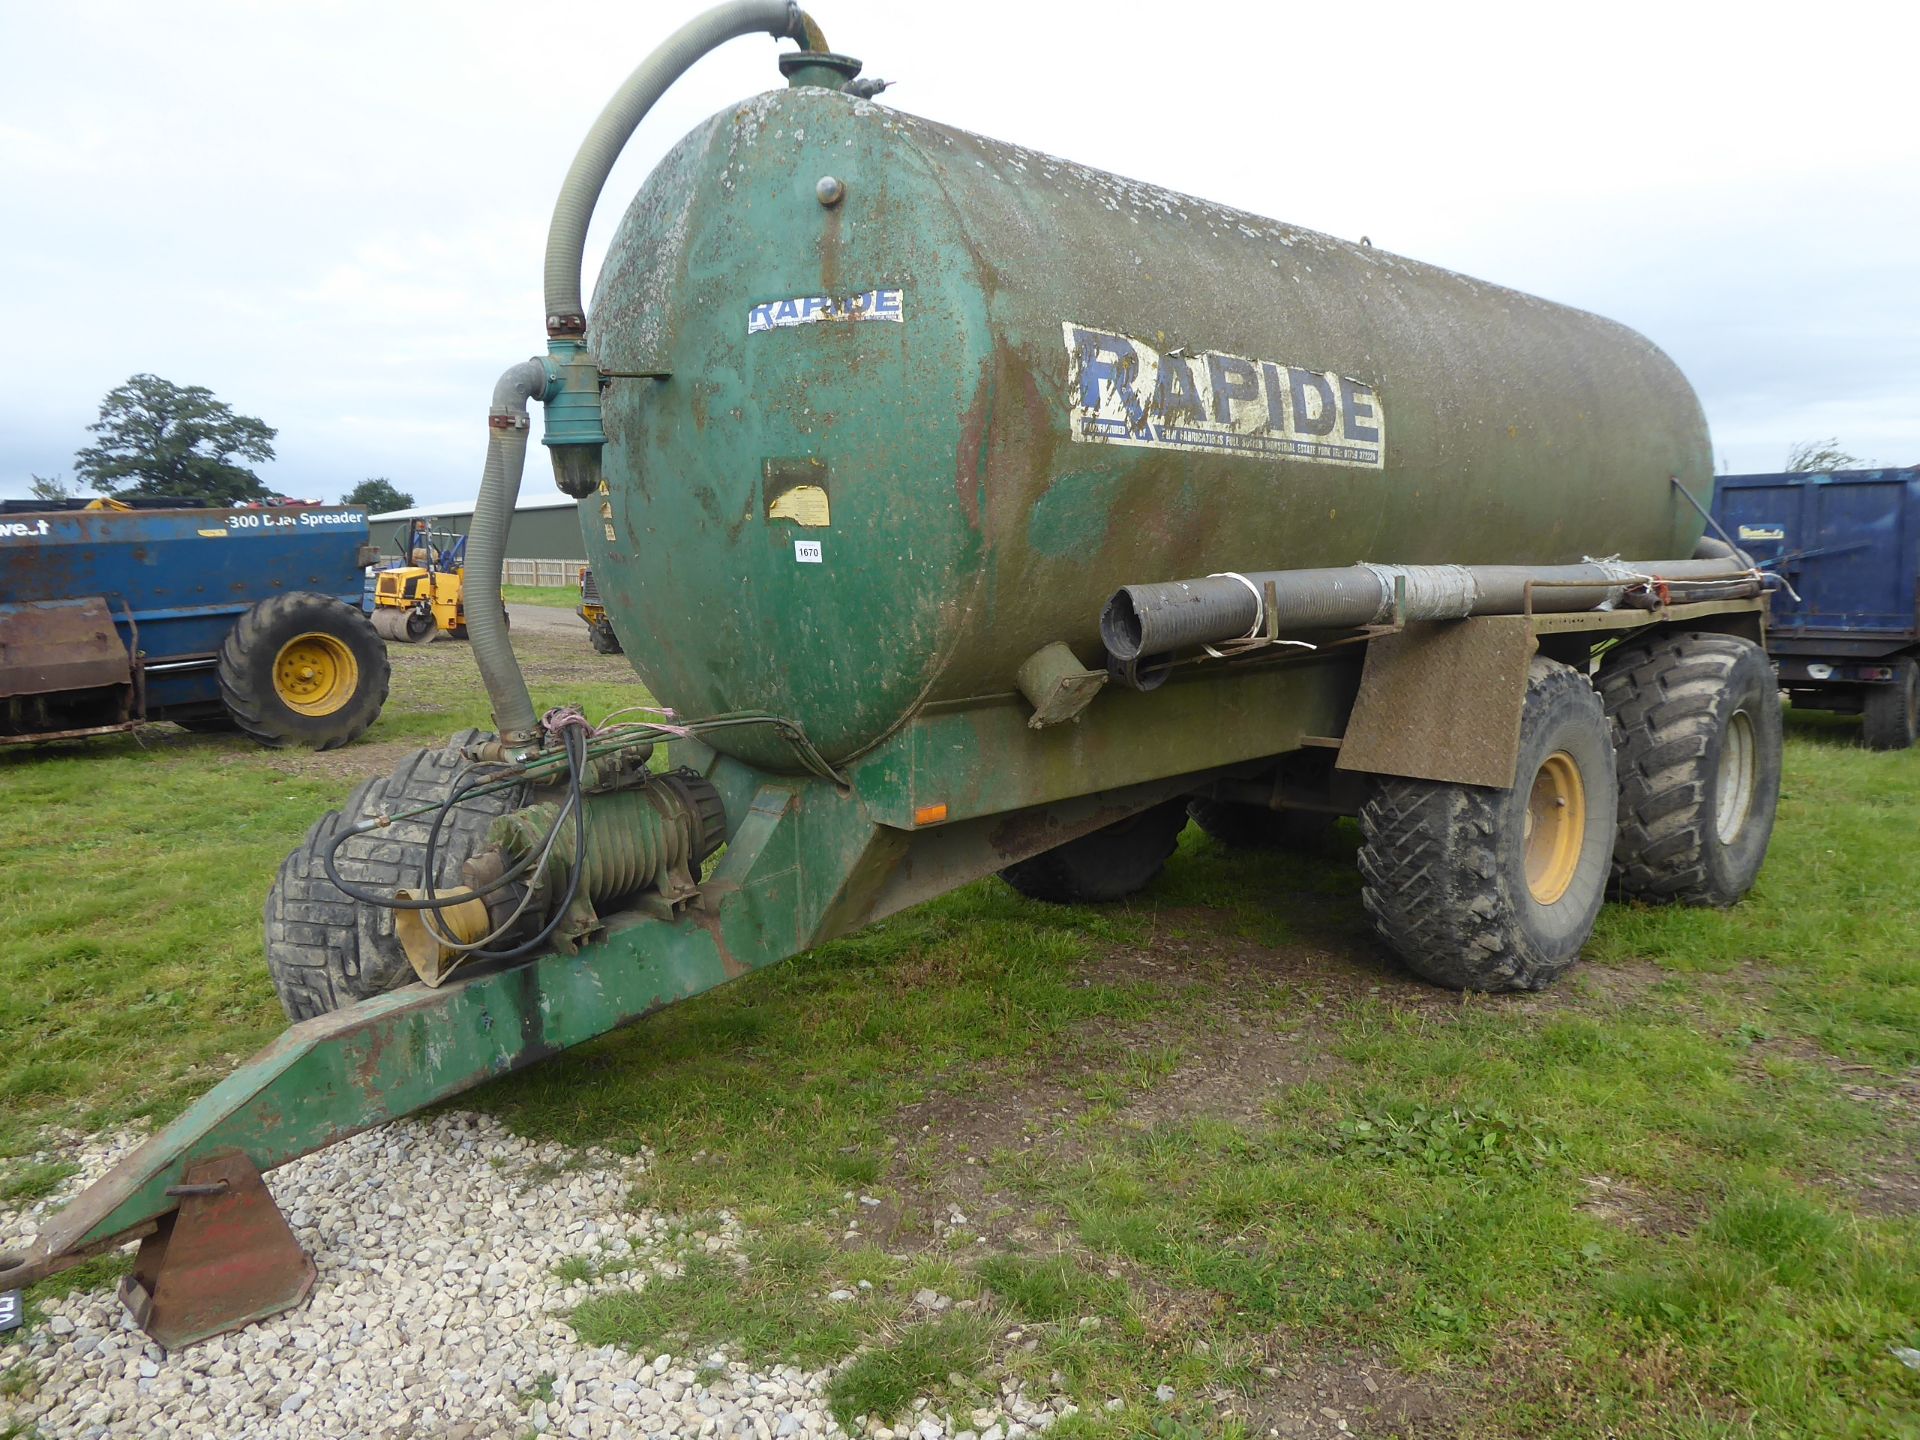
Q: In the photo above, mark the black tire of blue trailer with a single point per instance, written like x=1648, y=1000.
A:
x=325, y=949
x=303, y=669
x=1496, y=890
x=1111, y=863
x=1254, y=827
x=1890, y=712
x=1697, y=727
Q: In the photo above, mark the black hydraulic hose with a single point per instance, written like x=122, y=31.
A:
x=580, y=191
x=577, y=756
x=329, y=860
x=430, y=866
x=576, y=750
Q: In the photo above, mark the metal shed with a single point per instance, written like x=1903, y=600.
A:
x=545, y=528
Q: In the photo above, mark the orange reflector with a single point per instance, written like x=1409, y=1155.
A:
x=929, y=814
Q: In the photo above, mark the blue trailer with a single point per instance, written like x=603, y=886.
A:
x=244, y=618
x=1849, y=545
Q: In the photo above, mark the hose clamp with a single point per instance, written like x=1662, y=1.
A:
x=1255, y=631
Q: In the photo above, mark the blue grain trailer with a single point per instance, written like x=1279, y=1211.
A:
x=1849, y=544
x=214, y=619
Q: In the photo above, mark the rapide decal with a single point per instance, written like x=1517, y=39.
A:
x=1123, y=392
x=825, y=309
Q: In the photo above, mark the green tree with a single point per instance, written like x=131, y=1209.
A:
x=51, y=488
x=158, y=438
x=1821, y=457
x=378, y=494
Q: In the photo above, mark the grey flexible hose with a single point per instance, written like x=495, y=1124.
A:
x=566, y=315
x=580, y=191
x=487, y=550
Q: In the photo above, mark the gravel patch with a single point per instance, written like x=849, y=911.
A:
x=436, y=1316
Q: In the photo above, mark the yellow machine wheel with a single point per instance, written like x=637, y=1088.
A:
x=1555, y=828
x=303, y=669
x=1484, y=888
x=315, y=674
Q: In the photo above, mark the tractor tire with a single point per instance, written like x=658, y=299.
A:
x=1497, y=890
x=600, y=635
x=1697, y=731
x=1254, y=827
x=1890, y=713
x=303, y=669
x=1110, y=864
x=325, y=949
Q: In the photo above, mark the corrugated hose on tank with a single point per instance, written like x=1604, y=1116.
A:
x=566, y=316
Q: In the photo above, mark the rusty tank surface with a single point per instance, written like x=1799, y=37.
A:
x=931, y=394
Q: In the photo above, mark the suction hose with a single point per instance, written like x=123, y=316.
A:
x=580, y=191
x=487, y=552
x=568, y=379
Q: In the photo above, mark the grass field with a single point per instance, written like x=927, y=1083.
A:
x=1211, y=1155
x=564, y=596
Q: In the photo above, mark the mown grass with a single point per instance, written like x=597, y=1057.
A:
x=564, y=596
x=1642, y=1204
x=1446, y=1199
x=131, y=974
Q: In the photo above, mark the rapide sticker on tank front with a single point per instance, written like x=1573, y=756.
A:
x=1124, y=392
x=888, y=305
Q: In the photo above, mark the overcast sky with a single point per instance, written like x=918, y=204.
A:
x=333, y=214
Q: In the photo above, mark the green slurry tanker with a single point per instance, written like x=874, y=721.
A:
x=974, y=512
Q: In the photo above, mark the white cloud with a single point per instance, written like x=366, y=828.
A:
x=334, y=215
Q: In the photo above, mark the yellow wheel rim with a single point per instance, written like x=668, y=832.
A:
x=1556, y=827
x=1737, y=780
x=315, y=674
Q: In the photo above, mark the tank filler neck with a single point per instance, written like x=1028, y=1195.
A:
x=821, y=69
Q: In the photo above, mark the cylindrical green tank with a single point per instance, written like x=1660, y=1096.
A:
x=920, y=422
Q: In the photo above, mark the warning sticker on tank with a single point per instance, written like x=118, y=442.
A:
x=1123, y=392
x=826, y=309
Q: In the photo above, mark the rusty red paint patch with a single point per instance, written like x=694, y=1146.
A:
x=224, y=1258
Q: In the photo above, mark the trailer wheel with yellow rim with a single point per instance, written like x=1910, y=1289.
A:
x=1697, y=720
x=303, y=669
x=1483, y=889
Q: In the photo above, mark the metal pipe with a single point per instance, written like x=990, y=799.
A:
x=580, y=191
x=1150, y=620
x=487, y=552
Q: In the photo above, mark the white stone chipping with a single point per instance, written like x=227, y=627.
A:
x=437, y=1314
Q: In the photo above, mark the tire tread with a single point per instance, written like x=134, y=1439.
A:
x=1663, y=696
x=1430, y=872
x=245, y=672
x=325, y=949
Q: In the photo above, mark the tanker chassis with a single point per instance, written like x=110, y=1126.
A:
x=976, y=513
